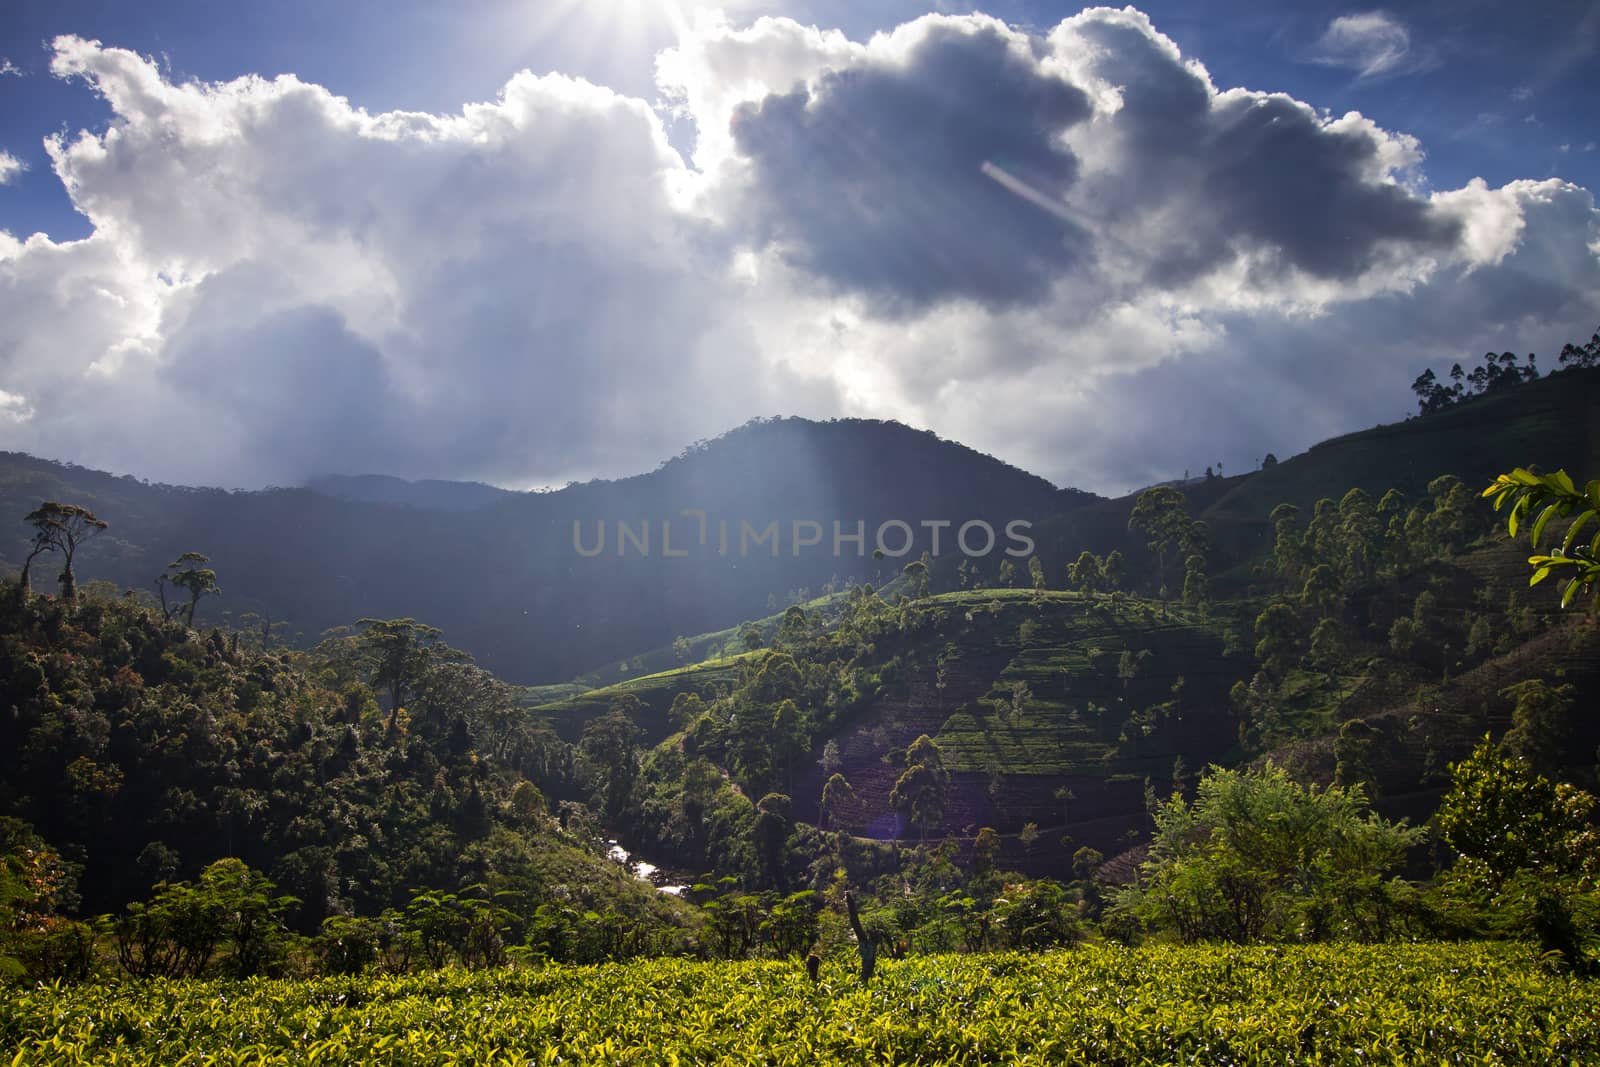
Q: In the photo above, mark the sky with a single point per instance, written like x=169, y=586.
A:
x=534, y=242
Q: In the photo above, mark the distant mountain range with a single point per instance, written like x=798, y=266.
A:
x=430, y=493
x=502, y=573
x=723, y=532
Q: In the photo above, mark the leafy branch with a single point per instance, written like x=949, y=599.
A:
x=1540, y=499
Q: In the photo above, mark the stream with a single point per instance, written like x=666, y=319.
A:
x=643, y=870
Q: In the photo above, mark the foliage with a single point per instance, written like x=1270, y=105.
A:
x=37, y=940
x=151, y=752
x=1161, y=513
x=230, y=908
x=1502, y=817
x=1529, y=856
x=1398, y=1004
x=919, y=792
x=188, y=573
x=1259, y=856
x=1584, y=355
x=1536, y=500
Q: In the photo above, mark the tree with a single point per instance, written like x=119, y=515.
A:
x=1431, y=395
x=919, y=792
x=1527, y=848
x=838, y=800
x=1258, y=855
x=794, y=627
x=985, y=848
x=1321, y=590
x=1086, y=572
x=1162, y=514
x=66, y=527
x=1403, y=635
x=1502, y=817
x=399, y=654
x=1277, y=638
x=1008, y=574
x=1587, y=355
x=791, y=736
x=187, y=573
x=40, y=543
x=687, y=707
x=1327, y=647
x=609, y=747
x=917, y=573
x=1288, y=548
x=37, y=942
x=1114, y=571
x=1360, y=537
x=1541, y=722
x=1352, y=753
x=770, y=835
x=1196, y=587
x=1538, y=499
x=750, y=636
x=1036, y=572
x=179, y=931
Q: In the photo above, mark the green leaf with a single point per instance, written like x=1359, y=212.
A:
x=1572, y=587
x=1544, y=520
x=1572, y=531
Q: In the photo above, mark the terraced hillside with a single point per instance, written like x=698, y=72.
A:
x=1029, y=694
x=575, y=705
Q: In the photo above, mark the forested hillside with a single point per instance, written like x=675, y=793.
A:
x=1196, y=734
x=137, y=751
x=506, y=580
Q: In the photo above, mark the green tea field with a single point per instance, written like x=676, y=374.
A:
x=1333, y=1004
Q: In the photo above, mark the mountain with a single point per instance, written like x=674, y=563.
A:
x=522, y=581
x=1061, y=710
x=429, y=493
x=525, y=583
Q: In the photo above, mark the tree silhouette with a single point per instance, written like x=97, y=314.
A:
x=65, y=527
x=187, y=573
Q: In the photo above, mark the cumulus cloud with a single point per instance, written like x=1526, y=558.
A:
x=302, y=285
x=1372, y=43
x=10, y=167
x=1072, y=249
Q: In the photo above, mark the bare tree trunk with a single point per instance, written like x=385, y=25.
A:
x=69, y=583
x=865, y=946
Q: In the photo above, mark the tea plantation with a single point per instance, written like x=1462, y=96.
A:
x=1331, y=1004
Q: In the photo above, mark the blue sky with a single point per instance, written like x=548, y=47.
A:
x=1044, y=233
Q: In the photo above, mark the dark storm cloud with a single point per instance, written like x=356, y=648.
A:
x=1247, y=172
x=874, y=179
